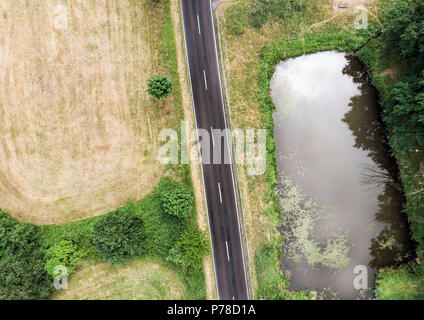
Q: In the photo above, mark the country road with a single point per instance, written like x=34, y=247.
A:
x=218, y=179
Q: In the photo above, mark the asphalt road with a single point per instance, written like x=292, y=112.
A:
x=219, y=185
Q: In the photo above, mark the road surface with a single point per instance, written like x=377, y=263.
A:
x=219, y=186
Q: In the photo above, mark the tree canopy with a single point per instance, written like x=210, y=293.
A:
x=159, y=86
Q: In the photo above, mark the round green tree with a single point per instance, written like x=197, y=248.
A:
x=22, y=274
x=177, y=202
x=159, y=86
x=64, y=253
x=119, y=236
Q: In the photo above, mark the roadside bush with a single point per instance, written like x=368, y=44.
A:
x=177, y=202
x=159, y=86
x=192, y=246
x=22, y=277
x=65, y=253
x=236, y=19
x=22, y=274
x=119, y=236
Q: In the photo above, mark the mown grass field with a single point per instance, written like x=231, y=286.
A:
x=142, y=279
x=79, y=131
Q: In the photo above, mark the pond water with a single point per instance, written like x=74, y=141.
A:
x=338, y=189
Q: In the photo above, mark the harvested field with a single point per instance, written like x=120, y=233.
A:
x=78, y=132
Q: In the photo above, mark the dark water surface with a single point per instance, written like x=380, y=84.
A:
x=339, y=193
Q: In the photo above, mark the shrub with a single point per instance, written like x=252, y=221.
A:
x=65, y=253
x=192, y=246
x=177, y=202
x=260, y=11
x=119, y=236
x=159, y=86
x=22, y=276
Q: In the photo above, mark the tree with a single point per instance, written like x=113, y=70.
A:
x=177, y=202
x=191, y=247
x=159, y=86
x=119, y=236
x=22, y=274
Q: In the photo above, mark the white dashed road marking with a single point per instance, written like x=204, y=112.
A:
x=206, y=81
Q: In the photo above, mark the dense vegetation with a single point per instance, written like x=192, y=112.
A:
x=404, y=33
x=395, y=61
x=29, y=254
x=177, y=202
x=406, y=283
x=119, y=236
x=392, y=48
x=288, y=20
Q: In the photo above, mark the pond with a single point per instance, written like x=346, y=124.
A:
x=338, y=191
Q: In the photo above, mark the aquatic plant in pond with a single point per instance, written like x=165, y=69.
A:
x=301, y=215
